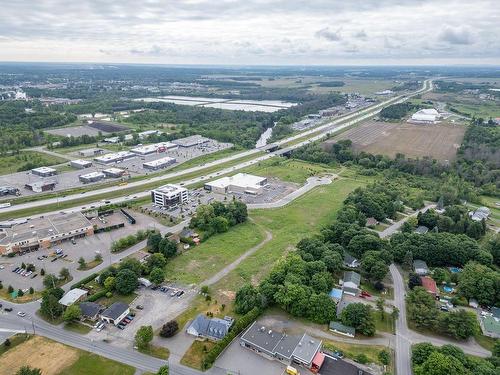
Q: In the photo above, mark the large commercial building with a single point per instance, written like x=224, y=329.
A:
x=169, y=195
x=91, y=152
x=40, y=186
x=159, y=163
x=115, y=157
x=43, y=232
x=80, y=163
x=288, y=349
x=194, y=140
x=44, y=171
x=425, y=116
x=239, y=183
x=92, y=177
x=154, y=148
x=113, y=172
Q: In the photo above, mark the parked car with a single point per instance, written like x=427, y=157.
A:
x=8, y=309
x=180, y=293
x=34, y=275
x=139, y=307
x=22, y=314
x=131, y=317
x=173, y=293
x=121, y=326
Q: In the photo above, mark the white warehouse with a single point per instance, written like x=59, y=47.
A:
x=239, y=183
x=169, y=195
x=159, y=163
x=425, y=116
x=114, y=157
x=154, y=148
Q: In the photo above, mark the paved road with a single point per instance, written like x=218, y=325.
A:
x=42, y=149
x=311, y=135
x=389, y=231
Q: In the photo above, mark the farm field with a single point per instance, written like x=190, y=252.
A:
x=439, y=141
x=57, y=359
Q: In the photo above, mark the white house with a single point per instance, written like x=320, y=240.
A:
x=115, y=313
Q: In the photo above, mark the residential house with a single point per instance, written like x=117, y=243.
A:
x=421, y=229
x=482, y=213
x=371, y=222
x=115, y=313
x=341, y=329
x=90, y=310
x=430, y=285
x=72, y=296
x=211, y=328
x=351, y=282
x=420, y=267
x=350, y=261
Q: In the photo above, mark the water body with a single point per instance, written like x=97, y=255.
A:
x=264, y=137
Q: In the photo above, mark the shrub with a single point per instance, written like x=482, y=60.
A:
x=169, y=329
x=361, y=358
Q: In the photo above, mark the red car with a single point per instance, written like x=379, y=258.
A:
x=365, y=294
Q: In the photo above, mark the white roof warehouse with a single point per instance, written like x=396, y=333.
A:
x=239, y=183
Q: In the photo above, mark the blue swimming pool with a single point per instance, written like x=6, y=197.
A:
x=455, y=269
x=448, y=289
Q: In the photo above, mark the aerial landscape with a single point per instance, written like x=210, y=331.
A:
x=239, y=188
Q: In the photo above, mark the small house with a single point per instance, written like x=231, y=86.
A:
x=482, y=213
x=420, y=267
x=371, y=222
x=144, y=282
x=115, y=313
x=341, y=329
x=350, y=261
x=72, y=296
x=421, y=229
x=210, y=328
x=351, y=282
x=90, y=310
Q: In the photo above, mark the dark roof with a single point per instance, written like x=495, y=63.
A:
x=90, y=308
x=115, y=310
x=337, y=326
x=353, y=277
x=287, y=345
x=339, y=366
x=348, y=258
x=262, y=337
x=422, y=229
x=214, y=328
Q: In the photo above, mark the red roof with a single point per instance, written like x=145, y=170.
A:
x=318, y=360
x=429, y=284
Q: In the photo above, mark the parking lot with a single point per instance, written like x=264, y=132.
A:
x=133, y=167
x=85, y=247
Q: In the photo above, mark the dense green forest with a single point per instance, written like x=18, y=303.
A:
x=396, y=111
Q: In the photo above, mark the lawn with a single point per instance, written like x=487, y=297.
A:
x=202, y=261
x=88, y=363
x=384, y=325
x=485, y=341
x=289, y=170
x=90, y=265
x=77, y=327
x=16, y=163
x=105, y=301
x=15, y=340
x=352, y=351
x=156, y=351
x=194, y=355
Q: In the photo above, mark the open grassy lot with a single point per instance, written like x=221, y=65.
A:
x=439, y=141
x=20, y=162
x=352, y=351
x=156, y=351
x=77, y=327
x=485, y=341
x=105, y=301
x=15, y=340
x=204, y=260
x=287, y=169
x=54, y=358
x=385, y=324
x=194, y=355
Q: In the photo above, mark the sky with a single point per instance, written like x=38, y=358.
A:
x=252, y=32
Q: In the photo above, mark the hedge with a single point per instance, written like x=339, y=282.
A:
x=94, y=297
x=238, y=327
x=84, y=281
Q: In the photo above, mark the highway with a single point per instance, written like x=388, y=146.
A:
x=311, y=135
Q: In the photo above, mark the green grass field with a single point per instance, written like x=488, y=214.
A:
x=287, y=169
x=13, y=163
x=352, y=351
x=89, y=363
x=200, y=262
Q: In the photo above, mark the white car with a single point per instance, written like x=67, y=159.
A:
x=22, y=314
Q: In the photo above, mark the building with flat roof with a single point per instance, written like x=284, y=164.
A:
x=193, y=140
x=114, y=157
x=89, y=152
x=44, y=232
x=113, y=172
x=40, y=186
x=154, y=148
x=91, y=177
x=280, y=346
x=80, y=163
x=169, y=195
x=425, y=116
x=159, y=163
x=239, y=183
x=72, y=296
x=44, y=171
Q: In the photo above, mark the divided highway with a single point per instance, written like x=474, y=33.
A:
x=288, y=145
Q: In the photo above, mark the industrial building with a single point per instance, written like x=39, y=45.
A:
x=113, y=172
x=425, y=116
x=159, y=163
x=8, y=190
x=169, y=195
x=147, y=133
x=40, y=186
x=239, y=183
x=44, y=171
x=91, y=152
x=80, y=163
x=91, y=177
x=44, y=232
x=288, y=349
x=194, y=140
x=154, y=148
x=115, y=157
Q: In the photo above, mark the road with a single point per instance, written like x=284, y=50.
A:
x=389, y=231
x=311, y=135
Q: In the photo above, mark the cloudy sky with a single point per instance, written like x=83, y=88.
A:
x=319, y=32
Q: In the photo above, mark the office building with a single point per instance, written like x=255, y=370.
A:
x=80, y=163
x=44, y=171
x=91, y=177
x=169, y=195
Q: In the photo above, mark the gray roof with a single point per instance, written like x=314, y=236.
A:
x=115, y=310
x=422, y=229
x=287, y=345
x=342, y=305
x=214, y=328
x=339, y=366
x=307, y=348
x=348, y=258
x=353, y=277
x=90, y=308
x=262, y=337
x=337, y=326
x=419, y=264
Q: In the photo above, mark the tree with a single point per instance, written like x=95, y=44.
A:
x=31, y=290
x=380, y=307
x=420, y=352
x=27, y=370
x=64, y=273
x=414, y=280
x=42, y=272
x=384, y=357
x=156, y=260
x=395, y=313
x=247, y=297
x=154, y=240
x=110, y=283
x=408, y=260
x=144, y=336
x=10, y=289
x=131, y=264
x=459, y=324
x=440, y=364
x=50, y=281
x=479, y=282
x=157, y=275
x=82, y=263
x=163, y=370
x=71, y=313
x=98, y=257
x=421, y=307
x=50, y=306
x=126, y=281
x=168, y=248
x=169, y=329
x=359, y=316
x=20, y=293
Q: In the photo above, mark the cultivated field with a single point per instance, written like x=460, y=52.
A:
x=439, y=141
